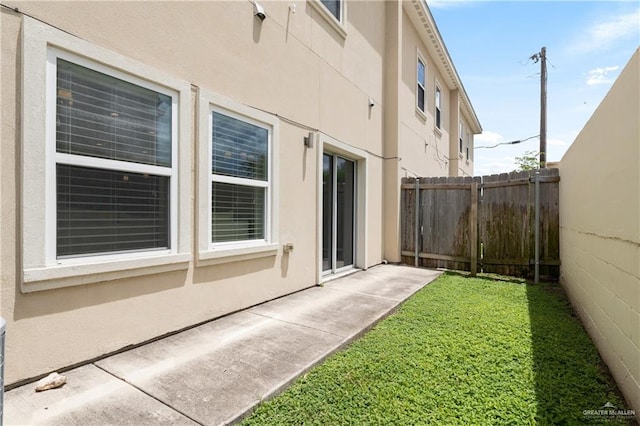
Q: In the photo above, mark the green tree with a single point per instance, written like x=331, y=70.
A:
x=527, y=161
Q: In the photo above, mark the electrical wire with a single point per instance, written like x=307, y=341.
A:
x=313, y=129
x=506, y=143
x=17, y=10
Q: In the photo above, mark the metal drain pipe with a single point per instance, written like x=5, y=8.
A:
x=3, y=325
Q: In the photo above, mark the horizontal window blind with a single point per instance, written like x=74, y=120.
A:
x=237, y=212
x=101, y=116
x=240, y=149
x=101, y=211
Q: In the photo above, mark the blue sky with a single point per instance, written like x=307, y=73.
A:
x=588, y=44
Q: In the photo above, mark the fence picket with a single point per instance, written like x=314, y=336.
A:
x=482, y=224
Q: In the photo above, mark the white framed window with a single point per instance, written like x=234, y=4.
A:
x=238, y=147
x=438, y=103
x=115, y=163
x=421, y=73
x=334, y=12
x=461, y=135
x=469, y=147
x=103, y=174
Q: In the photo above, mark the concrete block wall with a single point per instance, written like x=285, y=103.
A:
x=600, y=229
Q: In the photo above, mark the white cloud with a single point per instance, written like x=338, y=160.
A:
x=600, y=75
x=486, y=165
x=603, y=34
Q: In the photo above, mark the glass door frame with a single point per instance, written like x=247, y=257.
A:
x=333, y=249
x=323, y=143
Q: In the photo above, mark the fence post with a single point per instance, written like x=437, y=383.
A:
x=473, y=228
x=536, y=219
x=416, y=235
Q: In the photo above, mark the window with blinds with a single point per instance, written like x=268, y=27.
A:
x=240, y=180
x=113, y=163
x=438, y=107
x=103, y=211
x=420, y=86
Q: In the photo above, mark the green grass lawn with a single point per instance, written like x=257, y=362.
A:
x=460, y=351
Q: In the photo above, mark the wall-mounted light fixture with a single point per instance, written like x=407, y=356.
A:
x=308, y=140
x=258, y=11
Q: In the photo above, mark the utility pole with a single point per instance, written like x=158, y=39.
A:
x=543, y=108
x=542, y=57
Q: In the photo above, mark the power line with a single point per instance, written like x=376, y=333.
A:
x=507, y=143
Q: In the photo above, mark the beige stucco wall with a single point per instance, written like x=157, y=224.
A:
x=424, y=150
x=293, y=65
x=600, y=229
x=418, y=149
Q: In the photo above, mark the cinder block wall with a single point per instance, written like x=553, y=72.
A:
x=600, y=229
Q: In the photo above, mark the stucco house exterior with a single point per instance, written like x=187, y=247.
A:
x=164, y=164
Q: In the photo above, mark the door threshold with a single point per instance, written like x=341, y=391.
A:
x=330, y=277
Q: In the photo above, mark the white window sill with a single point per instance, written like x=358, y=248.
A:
x=437, y=131
x=335, y=24
x=421, y=114
x=236, y=254
x=67, y=275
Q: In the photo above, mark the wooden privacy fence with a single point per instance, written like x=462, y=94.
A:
x=482, y=224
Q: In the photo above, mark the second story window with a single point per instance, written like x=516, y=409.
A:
x=438, y=107
x=334, y=6
x=420, y=85
x=461, y=135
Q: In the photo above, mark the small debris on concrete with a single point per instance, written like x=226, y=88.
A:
x=52, y=381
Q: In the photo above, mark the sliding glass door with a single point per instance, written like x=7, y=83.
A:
x=338, y=213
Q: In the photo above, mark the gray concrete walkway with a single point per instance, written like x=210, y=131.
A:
x=217, y=372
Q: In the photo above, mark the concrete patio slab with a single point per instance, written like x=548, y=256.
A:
x=215, y=377
x=217, y=372
x=390, y=282
x=90, y=397
x=335, y=312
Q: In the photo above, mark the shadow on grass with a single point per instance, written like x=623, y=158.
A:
x=571, y=380
x=572, y=383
